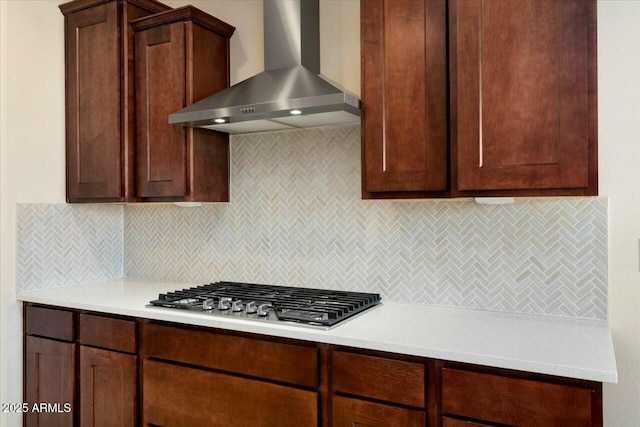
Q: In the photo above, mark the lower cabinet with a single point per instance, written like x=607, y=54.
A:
x=80, y=369
x=375, y=390
x=107, y=388
x=50, y=378
x=91, y=369
x=198, y=376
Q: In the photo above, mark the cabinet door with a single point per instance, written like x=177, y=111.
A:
x=354, y=412
x=93, y=104
x=180, y=396
x=524, y=95
x=404, y=99
x=107, y=388
x=160, y=90
x=50, y=381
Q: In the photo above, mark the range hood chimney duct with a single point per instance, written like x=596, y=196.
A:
x=290, y=93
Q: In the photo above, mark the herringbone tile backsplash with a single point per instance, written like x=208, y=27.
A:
x=296, y=218
x=61, y=244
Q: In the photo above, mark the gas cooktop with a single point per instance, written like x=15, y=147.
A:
x=313, y=307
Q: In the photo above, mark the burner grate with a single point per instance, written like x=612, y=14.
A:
x=320, y=307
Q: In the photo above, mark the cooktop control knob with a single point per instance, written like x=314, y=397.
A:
x=263, y=310
x=251, y=307
x=208, y=304
x=236, y=305
x=224, y=303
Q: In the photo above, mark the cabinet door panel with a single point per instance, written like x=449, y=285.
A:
x=404, y=95
x=523, y=84
x=349, y=412
x=514, y=401
x=179, y=396
x=49, y=379
x=160, y=89
x=93, y=104
x=107, y=388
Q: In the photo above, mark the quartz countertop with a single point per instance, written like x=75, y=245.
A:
x=565, y=347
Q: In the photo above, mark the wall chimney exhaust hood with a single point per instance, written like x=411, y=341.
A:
x=290, y=93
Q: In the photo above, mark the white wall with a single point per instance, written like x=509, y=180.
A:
x=32, y=149
x=32, y=167
x=619, y=155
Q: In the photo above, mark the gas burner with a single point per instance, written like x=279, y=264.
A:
x=314, y=307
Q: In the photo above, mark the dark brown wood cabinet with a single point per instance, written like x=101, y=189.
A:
x=255, y=381
x=524, y=96
x=514, y=114
x=404, y=97
x=107, y=388
x=49, y=366
x=377, y=390
x=50, y=377
x=120, y=92
x=494, y=397
x=100, y=107
x=181, y=56
x=82, y=367
x=107, y=371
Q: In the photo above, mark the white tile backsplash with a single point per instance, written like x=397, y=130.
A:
x=60, y=244
x=296, y=218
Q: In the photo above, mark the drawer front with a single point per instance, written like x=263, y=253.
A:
x=347, y=412
x=514, y=401
x=379, y=378
x=288, y=363
x=50, y=323
x=453, y=422
x=107, y=332
x=181, y=396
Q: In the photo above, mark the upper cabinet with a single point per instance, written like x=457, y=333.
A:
x=181, y=56
x=120, y=89
x=100, y=108
x=404, y=97
x=522, y=104
x=523, y=96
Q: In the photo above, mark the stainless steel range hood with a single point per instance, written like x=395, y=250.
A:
x=290, y=93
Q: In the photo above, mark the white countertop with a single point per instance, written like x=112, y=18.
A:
x=549, y=345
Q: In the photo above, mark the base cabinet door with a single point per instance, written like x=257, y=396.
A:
x=348, y=412
x=49, y=382
x=180, y=396
x=107, y=388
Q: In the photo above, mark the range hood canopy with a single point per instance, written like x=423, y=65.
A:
x=290, y=93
